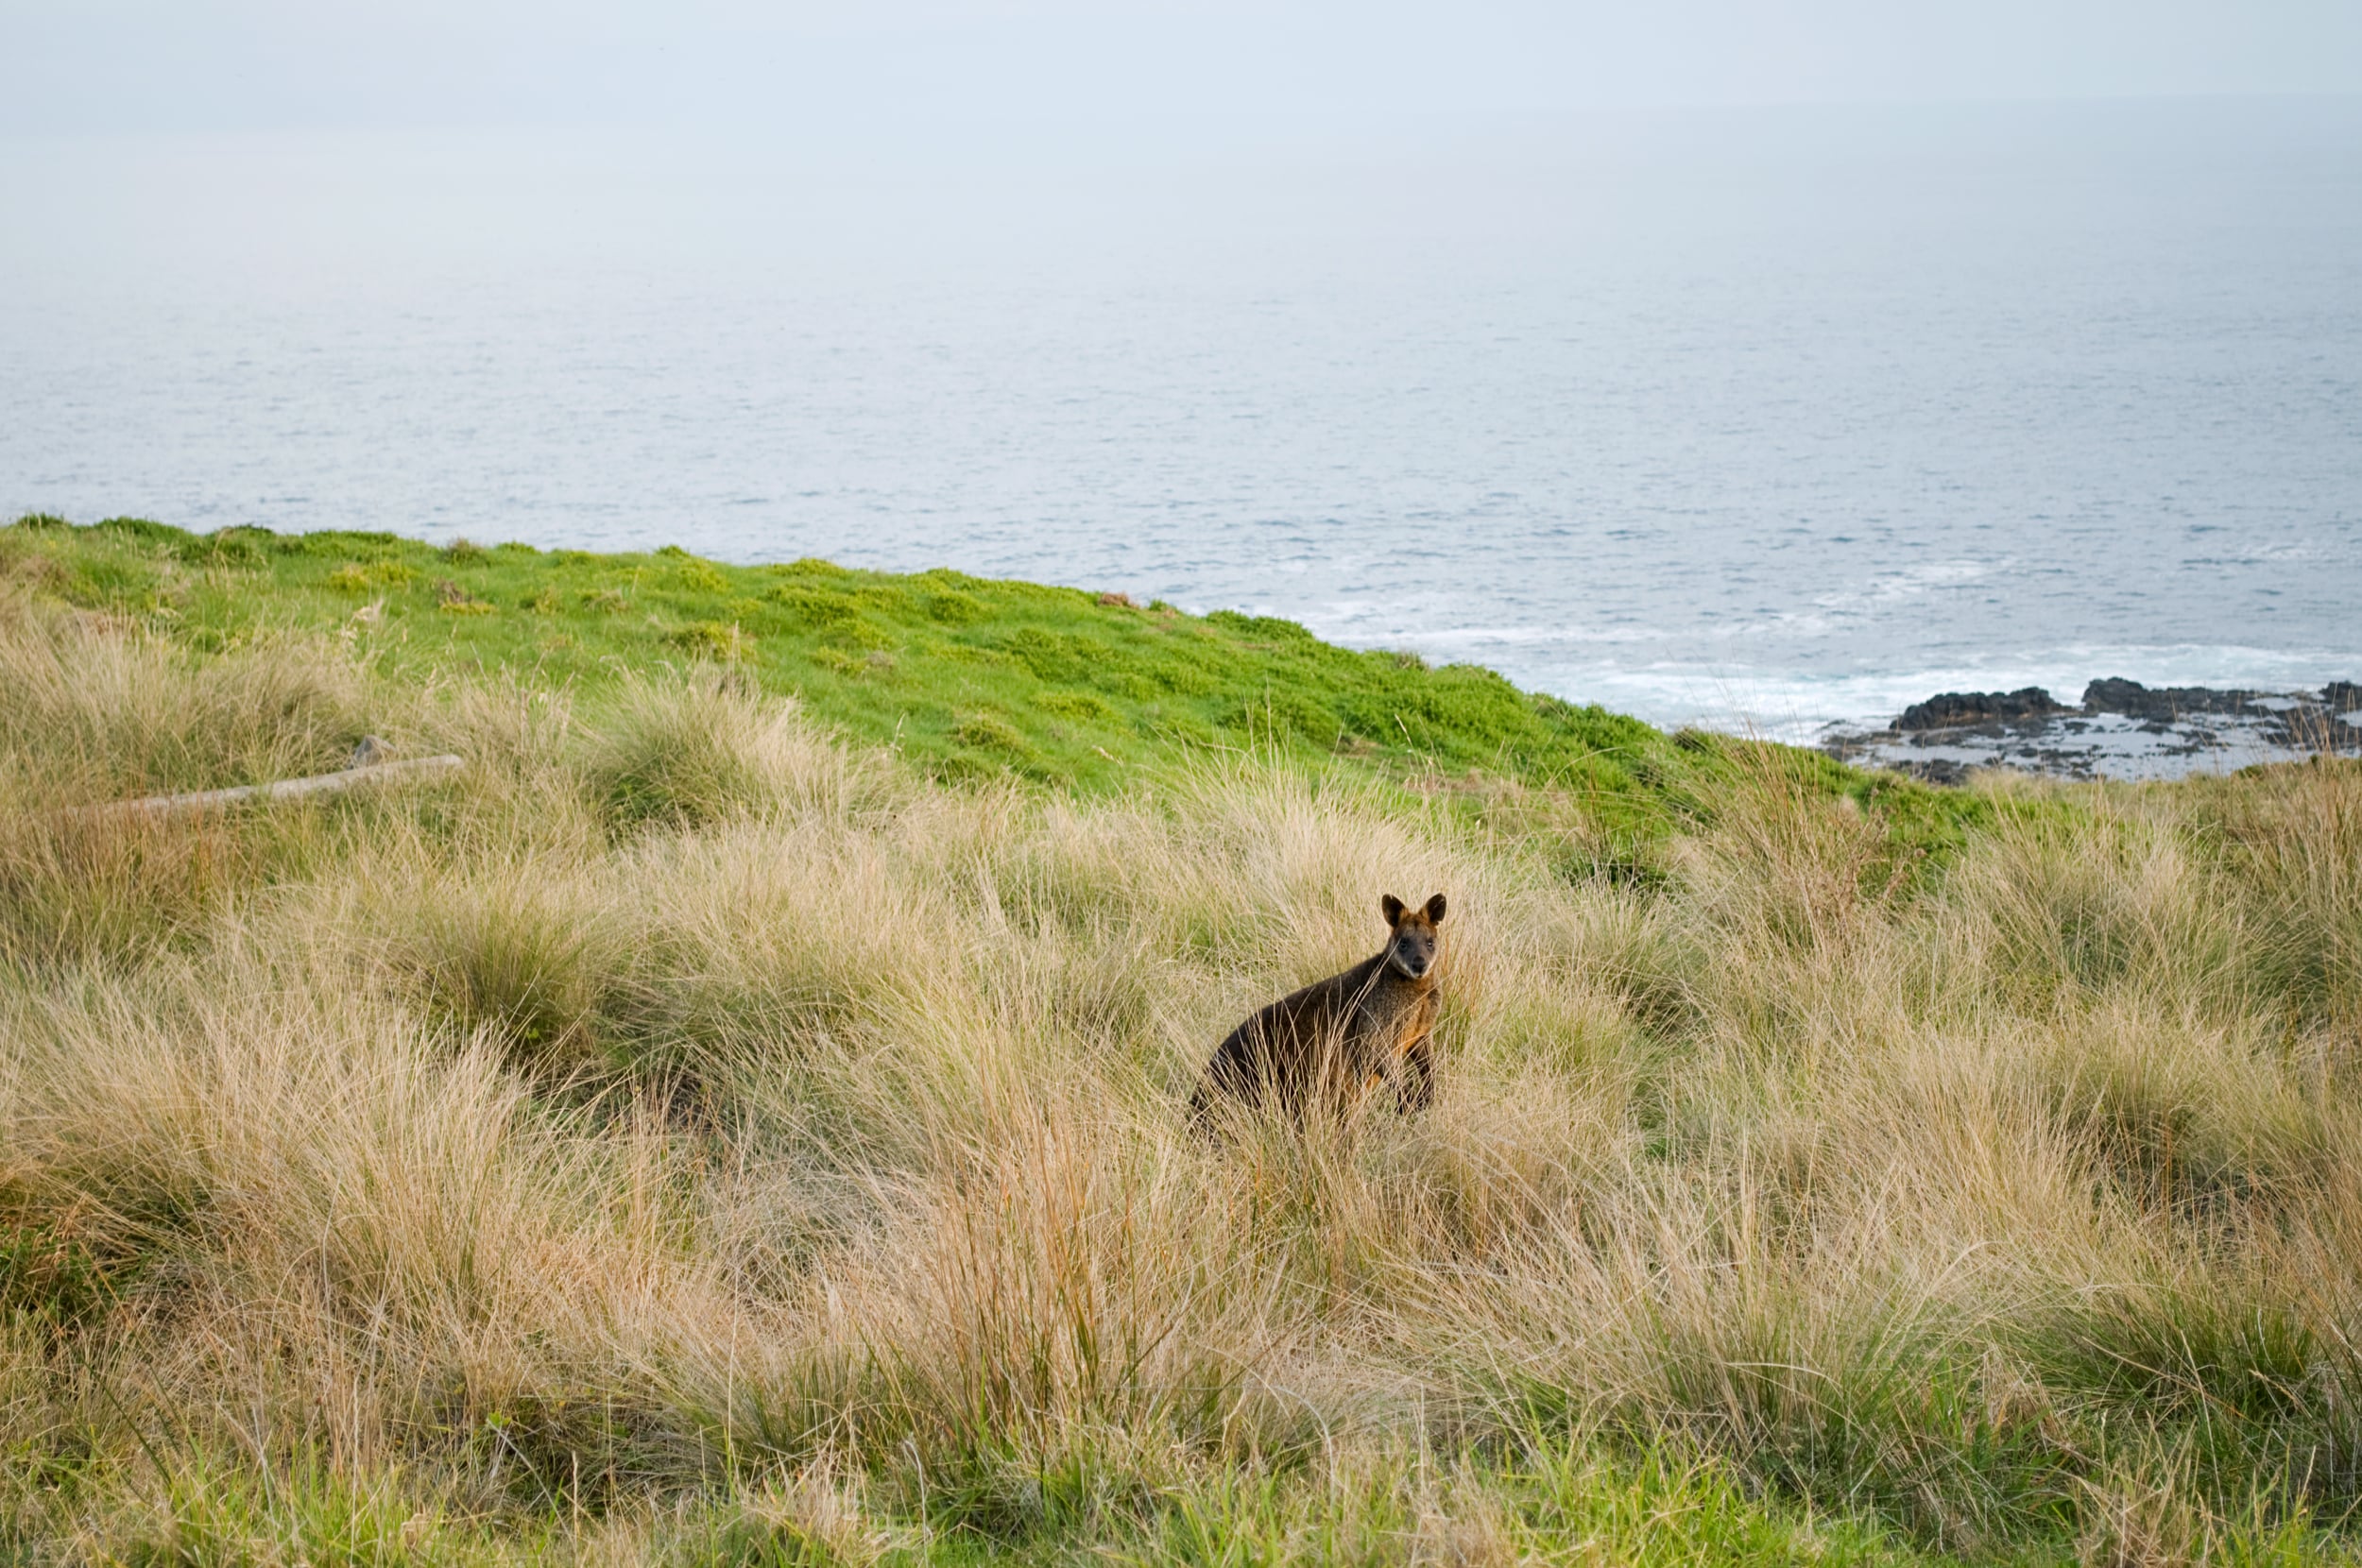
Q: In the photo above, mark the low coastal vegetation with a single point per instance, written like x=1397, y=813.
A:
x=742, y=1119
x=961, y=678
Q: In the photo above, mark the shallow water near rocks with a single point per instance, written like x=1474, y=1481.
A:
x=1770, y=421
x=2120, y=730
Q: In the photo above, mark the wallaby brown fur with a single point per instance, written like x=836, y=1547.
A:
x=1334, y=1042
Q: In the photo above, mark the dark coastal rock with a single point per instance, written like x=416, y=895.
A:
x=2162, y=704
x=1956, y=709
x=2122, y=730
x=1934, y=770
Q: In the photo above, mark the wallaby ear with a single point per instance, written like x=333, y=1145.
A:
x=1435, y=910
x=1392, y=907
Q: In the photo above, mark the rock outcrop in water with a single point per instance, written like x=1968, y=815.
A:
x=2122, y=729
x=1952, y=709
x=2164, y=704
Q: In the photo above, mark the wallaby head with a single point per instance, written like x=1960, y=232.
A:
x=1412, y=951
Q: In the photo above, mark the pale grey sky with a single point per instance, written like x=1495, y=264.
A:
x=887, y=65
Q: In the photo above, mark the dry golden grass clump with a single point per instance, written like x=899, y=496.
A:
x=684, y=1137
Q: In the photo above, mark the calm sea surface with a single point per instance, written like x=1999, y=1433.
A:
x=1762, y=419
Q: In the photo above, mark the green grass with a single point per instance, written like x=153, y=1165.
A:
x=1550, y=1501
x=963, y=677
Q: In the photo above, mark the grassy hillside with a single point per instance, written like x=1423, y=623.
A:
x=963, y=674
x=964, y=678
x=707, y=1133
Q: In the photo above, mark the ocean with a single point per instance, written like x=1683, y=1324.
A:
x=1766, y=420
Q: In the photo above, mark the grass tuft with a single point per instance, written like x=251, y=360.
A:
x=692, y=752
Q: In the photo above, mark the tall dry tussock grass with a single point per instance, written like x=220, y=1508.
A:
x=681, y=1096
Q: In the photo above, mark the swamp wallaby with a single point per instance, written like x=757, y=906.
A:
x=1333, y=1043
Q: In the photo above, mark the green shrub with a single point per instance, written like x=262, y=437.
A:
x=1077, y=704
x=372, y=577
x=700, y=577
x=234, y=549
x=993, y=733
x=712, y=639
x=954, y=608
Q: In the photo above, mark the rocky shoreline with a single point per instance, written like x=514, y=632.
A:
x=2121, y=729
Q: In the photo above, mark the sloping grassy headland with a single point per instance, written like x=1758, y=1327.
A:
x=964, y=677
x=739, y=1119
